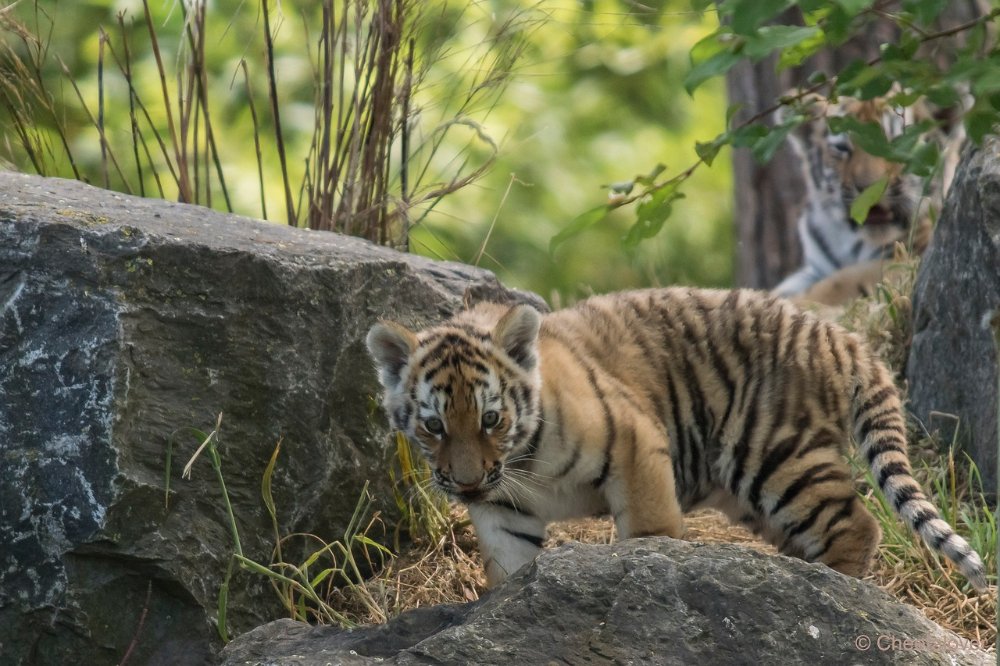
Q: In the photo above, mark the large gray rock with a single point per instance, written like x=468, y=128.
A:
x=952, y=368
x=642, y=601
x=123, y=320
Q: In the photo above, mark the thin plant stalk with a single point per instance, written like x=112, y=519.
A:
x=272, y=81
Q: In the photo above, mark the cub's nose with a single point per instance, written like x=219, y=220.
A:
x=468, y=487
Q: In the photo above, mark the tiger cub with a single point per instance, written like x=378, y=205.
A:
x=648, y=404
x=843, y=259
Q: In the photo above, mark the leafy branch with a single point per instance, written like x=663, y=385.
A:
x=742, y=36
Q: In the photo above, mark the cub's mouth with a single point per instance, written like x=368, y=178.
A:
x=881, y=218
x=471, y=495
x=879, y=215
x=477, y=493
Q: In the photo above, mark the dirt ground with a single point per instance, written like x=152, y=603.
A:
x=706, y=526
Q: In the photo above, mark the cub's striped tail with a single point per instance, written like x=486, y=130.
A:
x=881, y=433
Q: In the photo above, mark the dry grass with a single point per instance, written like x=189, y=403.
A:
x=427, y=573
x=885, y=319
x=968, y=615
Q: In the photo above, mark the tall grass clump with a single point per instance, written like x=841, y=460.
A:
x=354, y=579
x=324, y=115
x=317, y=581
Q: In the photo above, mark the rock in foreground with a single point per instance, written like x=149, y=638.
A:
x=124, y=323
x=643, y=601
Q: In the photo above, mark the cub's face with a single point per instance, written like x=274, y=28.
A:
x=833, y=163
x=466, y=394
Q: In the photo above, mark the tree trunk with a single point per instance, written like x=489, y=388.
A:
x=767, y=196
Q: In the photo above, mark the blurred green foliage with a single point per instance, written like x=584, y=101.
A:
x=596, y=97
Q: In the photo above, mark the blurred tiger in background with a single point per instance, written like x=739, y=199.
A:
x=843, y=258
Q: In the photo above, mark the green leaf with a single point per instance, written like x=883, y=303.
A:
x=816, y=78
x=905, y=144
x=924, y=160
x=868, y=198
x=580, y=223
x=746, y=137
x=764, y=148
x=320, y=577
x=747, y=15
x=712, y=56
x=987, y=82
x=708, y=151
x=905, y=98
x=651, y=215
x=925, y=11
x=797, y=54
x=371, y=543
x=865, y=82
x=814, y=10
x=867, y=136
x=838, y=25
x=650, y=177
x=850, y=71
x=772, y=37
x=626, y=186
x=908, y=44
x=942, y=95
x=731, y=112
x=979, y=122
x=265, y=483
x=854, y=6
x=878, y=86
x=891, y=52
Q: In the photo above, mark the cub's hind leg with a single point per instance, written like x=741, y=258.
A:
x=849, y=542
x=640, y=486
x=808, y=508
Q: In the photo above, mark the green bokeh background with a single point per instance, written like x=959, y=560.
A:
x=594, y=98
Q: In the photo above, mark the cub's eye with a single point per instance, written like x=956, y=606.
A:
x=434, y=425
x=491, y=418
x=840, y=144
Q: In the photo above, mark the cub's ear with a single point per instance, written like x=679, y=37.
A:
x=390, y=346
x=517, y=333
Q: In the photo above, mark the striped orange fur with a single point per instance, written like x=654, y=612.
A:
x=648, y=404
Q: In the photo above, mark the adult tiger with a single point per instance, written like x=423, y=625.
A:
x=842, y=258
x=647, y=404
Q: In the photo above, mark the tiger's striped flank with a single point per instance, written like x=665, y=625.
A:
x=649, y=404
